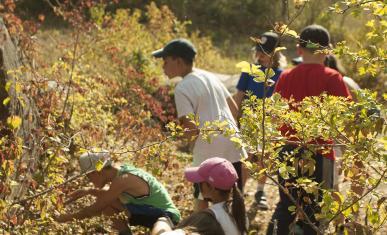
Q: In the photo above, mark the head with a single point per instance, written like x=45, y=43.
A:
x=202, y=223
x=95, y=165
x=217, y=178
x=263, y=51
x=178, y=56
x=312, y=39
x=332, y=62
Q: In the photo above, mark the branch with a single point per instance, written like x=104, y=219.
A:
x=48, y=190
x=360, y=198
x=358, y=5
x=283, y=189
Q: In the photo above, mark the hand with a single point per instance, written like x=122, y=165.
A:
x=63, y=218
x=77, y=194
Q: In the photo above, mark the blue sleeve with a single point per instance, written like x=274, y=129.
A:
x=243, y=82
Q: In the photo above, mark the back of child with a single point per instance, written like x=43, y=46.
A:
x=217, y=180
x=311, y=78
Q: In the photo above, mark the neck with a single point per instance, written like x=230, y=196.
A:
x=186, y=70
x=313, y=58
x=220, y=197
x=111, y=173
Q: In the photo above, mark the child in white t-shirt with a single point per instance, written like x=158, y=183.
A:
x=201, y=94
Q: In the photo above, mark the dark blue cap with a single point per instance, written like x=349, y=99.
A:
x=178, y=47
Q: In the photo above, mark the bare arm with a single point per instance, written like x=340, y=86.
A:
x=191, y=130
x=163, y=224
x=233, y=107
x=238, y=97
x=105, y=199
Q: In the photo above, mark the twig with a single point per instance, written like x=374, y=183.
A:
x=357, y=5
x=71, y=72
x=283, y=189
x=47, y=190
x=360, y=198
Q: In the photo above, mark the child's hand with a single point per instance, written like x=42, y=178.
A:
x=77, y=194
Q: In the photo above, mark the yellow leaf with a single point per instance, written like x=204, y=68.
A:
x=370, y=23
x=251, y=69
x=14, y=122
x=6, y=101
x=270, y=72
x=339, y=196
x=279, y=49
x=291, y=33
x=17, y=87
x=8, y=85
x=99, y=165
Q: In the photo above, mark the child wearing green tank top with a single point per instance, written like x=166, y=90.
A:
x=138, y=193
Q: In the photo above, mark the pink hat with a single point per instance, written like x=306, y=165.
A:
x=216, y=171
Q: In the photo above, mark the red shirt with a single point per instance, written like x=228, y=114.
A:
x=310, y=80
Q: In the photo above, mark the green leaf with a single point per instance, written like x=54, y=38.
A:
x=291, y=208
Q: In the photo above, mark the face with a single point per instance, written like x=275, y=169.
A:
x=262, y=58
x=97, y=179
x=205, y=189
x=171, y=66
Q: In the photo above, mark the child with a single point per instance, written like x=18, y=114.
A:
x=265, y=56
x=217, y=180
x=132, y=190
x=310, y=78
x=203, y=95
x=201, y=222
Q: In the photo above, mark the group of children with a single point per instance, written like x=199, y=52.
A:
x=217, y=171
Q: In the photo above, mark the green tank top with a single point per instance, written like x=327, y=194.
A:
x=158, y=196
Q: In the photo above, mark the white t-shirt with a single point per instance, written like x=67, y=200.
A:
x=225, y=220
x=174, y=232
x=202, y=94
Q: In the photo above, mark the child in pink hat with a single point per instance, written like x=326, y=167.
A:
x=217, y=180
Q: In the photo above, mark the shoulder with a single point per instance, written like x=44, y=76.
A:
x=129, y=174
x=286, y=73
x=189, y=80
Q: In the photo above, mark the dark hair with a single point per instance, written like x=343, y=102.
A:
x=332, y=62
x=238, y=210
x=202, y=222
x=187, y=60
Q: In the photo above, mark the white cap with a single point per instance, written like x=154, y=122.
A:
x=88, y=161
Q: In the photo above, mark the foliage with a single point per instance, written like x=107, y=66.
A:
x=94, y=86
x=97, y=85
x=358, y=127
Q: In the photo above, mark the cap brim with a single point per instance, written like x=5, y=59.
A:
x=192, y=175
x=159, y=53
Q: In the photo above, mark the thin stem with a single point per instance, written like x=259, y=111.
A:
x=360, y=198
x=299, y=209
x=47, y=190
x=71, y=72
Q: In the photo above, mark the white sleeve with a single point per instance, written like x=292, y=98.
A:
x=226, y=93
x=185, y=103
